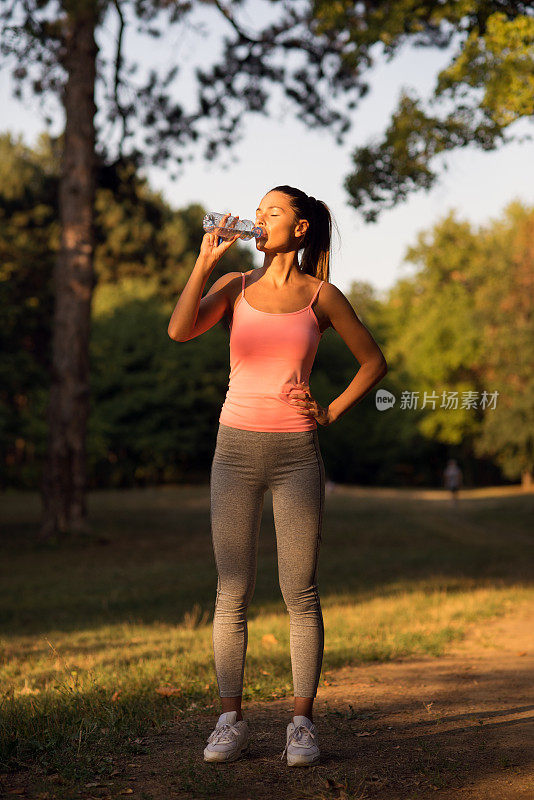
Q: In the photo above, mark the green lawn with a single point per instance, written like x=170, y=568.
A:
x=104, y=638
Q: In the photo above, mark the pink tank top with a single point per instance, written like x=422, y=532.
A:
x=269, y=354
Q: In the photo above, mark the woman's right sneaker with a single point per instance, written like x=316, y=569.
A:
x=230, y=738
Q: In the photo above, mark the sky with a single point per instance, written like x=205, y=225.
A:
x=280, y=150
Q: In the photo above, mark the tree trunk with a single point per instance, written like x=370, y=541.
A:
x=526, y=481
x=64, y=475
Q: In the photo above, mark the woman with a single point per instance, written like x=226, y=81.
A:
x=267, y=439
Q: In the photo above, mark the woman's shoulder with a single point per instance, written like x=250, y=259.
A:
x=329, y=290
x=332, y=304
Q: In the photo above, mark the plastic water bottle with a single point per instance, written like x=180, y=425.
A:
x=245, y=227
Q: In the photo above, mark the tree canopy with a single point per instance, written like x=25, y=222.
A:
x=487, y=86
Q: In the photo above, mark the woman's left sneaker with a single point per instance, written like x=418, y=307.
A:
x=301, y=746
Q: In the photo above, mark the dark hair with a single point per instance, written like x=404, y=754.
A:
x=317, y=241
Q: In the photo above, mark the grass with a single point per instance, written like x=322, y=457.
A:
x=107, y=638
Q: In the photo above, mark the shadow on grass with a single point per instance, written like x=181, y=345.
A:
x=154, y=564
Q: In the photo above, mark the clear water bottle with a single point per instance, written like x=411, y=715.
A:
x=245, y=227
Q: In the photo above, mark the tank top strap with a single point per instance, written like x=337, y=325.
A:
x=315, y=295
x=243, y=285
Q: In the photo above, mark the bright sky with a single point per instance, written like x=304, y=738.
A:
x=279, y=150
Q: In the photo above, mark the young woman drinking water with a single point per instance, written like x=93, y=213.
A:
x=267, y=439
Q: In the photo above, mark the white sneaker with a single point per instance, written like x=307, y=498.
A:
x=302, y=748
x=230, y=738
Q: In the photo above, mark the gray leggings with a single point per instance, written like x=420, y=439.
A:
x=246, y=464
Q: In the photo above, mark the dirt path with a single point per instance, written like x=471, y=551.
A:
x=459, y=727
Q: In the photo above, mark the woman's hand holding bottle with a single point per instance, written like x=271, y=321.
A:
x=210, y=251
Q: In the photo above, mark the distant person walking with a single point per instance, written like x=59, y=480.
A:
x=267, y=439
x=453, y=479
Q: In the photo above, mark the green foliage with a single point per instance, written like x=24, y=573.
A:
x=144, y=253
x=433, y=338
x=28, y=239
x=488, y=85
x=365, y=446
x=504, y=311
x=386, y=173
x=500, y=63
x=139, y=235
x=463, y=323
x=155, y=402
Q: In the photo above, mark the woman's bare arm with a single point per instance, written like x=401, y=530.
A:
x=373, y=365
x=194, y=314
x=208, y=310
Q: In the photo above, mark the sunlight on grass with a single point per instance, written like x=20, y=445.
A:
x=130, y=659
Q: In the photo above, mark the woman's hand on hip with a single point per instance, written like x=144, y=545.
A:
x=303, y=402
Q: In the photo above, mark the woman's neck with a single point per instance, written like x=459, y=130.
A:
x=280, y=269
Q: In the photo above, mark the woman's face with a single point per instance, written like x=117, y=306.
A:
x=283, y=233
